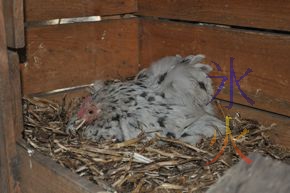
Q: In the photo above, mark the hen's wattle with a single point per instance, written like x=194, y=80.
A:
x=170, y=98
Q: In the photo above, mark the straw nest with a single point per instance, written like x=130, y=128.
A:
x=158, y=165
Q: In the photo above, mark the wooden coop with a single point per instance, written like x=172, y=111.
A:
x=45, y=51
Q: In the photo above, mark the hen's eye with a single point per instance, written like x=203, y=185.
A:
x=91, y=112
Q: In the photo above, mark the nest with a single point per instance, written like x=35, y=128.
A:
x=158, y=165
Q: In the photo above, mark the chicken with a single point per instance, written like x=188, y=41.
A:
x=170, y=98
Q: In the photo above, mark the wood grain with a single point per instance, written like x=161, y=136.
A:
x=36, y=10
x=265, y=53
x=39, y=173
x=16, y=96
x=250, y=13
x=8, y=156
x=75, y=54
x=14, y=23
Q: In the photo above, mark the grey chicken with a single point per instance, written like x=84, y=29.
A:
x=169, y=98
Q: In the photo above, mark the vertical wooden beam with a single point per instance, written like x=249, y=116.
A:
x=8, y=156
x=14, y=23
x=16, y=94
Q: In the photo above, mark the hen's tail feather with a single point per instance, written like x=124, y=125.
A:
x=158, y=69
x=187, y=83
x=191, y=59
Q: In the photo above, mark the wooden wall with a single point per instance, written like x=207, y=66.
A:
x=265, y=53
x=9, y=178
x=265, y=14
x=256, y=34
x=53, y=9
x=41, y=174
x=68, y=55
x=14, y=23
x=75, y=54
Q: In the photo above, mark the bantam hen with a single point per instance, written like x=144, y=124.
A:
x=170, y=98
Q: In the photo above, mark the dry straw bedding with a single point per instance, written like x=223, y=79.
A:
x=138, y=165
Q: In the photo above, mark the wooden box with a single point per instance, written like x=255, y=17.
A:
x=42, y=51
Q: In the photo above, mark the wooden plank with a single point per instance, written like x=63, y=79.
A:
x=249, y=13
x=36, y=10
x=75, y=54
x=279, y=134
x=15, y=82
x=8, y=157
x=14, y=23
x=39, y=173
x=265, y=53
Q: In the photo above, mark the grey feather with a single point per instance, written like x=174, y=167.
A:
x=170, y=98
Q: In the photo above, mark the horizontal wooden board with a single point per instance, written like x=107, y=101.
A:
x=39, y=173
x=250, y=13
x=36, y=10
x=14, y=23
x=74, y=54
x=265, y=53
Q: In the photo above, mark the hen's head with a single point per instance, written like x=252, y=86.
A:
x=89, y=111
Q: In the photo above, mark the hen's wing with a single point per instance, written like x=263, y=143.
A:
x=188, y=90
x=169, y=98
x=127, y=108
x=157, y=70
